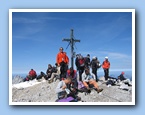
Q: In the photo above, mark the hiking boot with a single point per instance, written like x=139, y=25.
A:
x=50, y=81
x=78, y=98
x=99, y=90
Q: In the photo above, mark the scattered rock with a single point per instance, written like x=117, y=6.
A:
x=17, y=79
x=44, y=92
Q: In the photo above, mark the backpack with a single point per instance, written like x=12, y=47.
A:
x=110, y=82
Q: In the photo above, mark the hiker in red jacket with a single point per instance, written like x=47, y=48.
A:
x=62, y=61
x=73, y=74
x=106, y=66
x=81, y=66
x=32, y=75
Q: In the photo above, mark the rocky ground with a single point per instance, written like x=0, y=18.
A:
x=45, y=92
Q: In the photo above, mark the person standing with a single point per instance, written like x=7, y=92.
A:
x=81, y=66
x=62, y=61
x=77, y=62
x=106, y=66
x=95, y=64
x=87, y=61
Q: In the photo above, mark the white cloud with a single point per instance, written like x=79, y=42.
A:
x=116, y=55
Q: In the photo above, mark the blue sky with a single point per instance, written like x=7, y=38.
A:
x=37, y=37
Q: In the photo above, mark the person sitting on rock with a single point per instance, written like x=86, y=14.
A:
x=123, y=79
x=73, y=74
x=62, y=87
x=48, y=72
x=55, y=73
x=89, y=79
x=32, y=75
x=63, y=90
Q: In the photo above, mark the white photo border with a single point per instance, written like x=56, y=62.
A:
x=71, y=10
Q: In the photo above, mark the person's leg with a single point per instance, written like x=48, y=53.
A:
x=65, y=69
x=95, y=72
x=81, y=72
x=80, y=75
x=105, y=72
x=75, y=84
x=61, y=95
x=62, y=70
x=96, y=76
x=86, y=84
x=94, y=83
x=39, y=77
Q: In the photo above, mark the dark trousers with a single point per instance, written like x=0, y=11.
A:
x=94, y=71
x=81, y=70
x=63, y=70
x=106, y=72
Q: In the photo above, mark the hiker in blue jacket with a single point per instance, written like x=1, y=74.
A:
x=121, y=78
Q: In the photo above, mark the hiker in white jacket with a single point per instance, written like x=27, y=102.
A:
x=89, y=78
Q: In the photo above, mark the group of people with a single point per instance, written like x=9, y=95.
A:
x=68, y=76
x=85, y=62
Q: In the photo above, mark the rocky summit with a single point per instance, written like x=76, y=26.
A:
x=42, y=91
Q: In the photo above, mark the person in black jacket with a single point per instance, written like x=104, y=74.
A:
x=95, y=64
x=87, y=61
x=123, y=79
x=49, y=71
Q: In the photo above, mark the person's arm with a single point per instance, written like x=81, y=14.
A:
x=67, y=59
x=60, y=87
x=108, y=65
x=103, y=65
